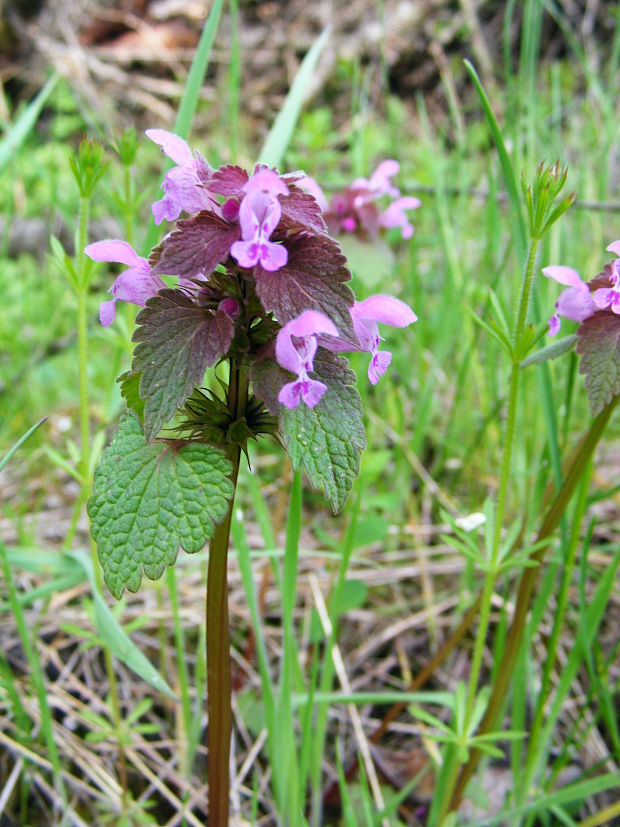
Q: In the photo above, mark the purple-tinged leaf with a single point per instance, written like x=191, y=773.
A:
x=177, y=341
x=228, y=180
x=300, y=211
x=313, y=279
x=267, y=379
x=196, y=247
x=598, y=344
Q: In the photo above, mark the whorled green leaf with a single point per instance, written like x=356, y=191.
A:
x=327, y=440
x=552, y=351
x=149, y=499
x=598, y=344
x=177, y=341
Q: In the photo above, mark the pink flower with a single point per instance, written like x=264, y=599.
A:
x=183, y=185
x=366, y=314
x=609, y=297
x=575, y=303
x=395, y=215
x=268, y=181
x=259, y=215
x=136, y=284
x=296, y=346
x=379, y=183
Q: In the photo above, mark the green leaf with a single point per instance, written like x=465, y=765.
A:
x=148, y=499
x=551, y=351
x=327, y=441
x=599, y=347
x=130, y=391
x=177, y=341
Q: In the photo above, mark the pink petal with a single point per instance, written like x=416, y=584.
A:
x=246, y=253
x=378, y=365
x=554, y=325
x=259, y=211
x=272, y=256
x=107, y=312
x=614, y=248
x=136, y=286
x=565, y=275
x=384, y=309
x=603, y=298
x=312, y=391
x=576, y=304
x=290, y=394
x=165, y=210
x=114, y=250
x=386, y=169
x=171, y=145
x=306, y=326
x=268, y=181
x=311, y=323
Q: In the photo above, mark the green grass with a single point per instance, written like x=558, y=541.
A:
x=441, y=407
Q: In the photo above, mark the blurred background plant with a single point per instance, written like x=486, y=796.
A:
x=402, y=574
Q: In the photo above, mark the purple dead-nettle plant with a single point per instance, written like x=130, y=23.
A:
x=261, y=287
x=595, y=305
x=362, y=209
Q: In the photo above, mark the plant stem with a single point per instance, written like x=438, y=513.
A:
x=502, y=494
x=218, y=636
x=526, y=586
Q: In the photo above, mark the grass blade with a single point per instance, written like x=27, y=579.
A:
x=115, y=638
x=510, y=181
x=20, y=130
x=195, y=79
x=281, y=132
x=191, y=93
x=20, y=442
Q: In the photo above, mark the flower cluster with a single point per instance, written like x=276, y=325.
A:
x=355, y=209
x=258, y=276
x=583, y=299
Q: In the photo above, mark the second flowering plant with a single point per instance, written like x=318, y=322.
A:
x=261, y=286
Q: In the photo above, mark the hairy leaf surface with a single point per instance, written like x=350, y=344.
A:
x=313, y=279
x=598, y=344
x=196, y=247
x=300, y=210
x=177, y=341
x=149, y=499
